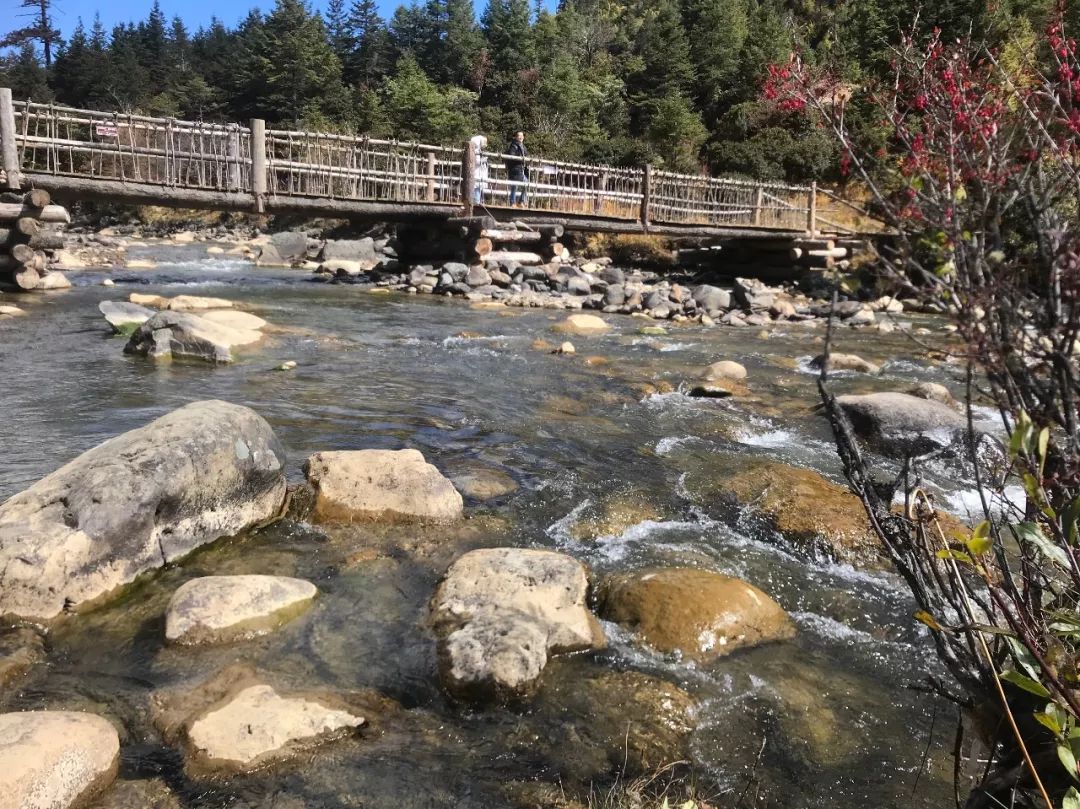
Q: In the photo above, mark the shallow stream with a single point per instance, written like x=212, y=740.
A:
x=837, y=717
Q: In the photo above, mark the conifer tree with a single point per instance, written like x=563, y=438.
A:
x=42, y=28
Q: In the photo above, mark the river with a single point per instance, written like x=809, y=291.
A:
x=837, y=717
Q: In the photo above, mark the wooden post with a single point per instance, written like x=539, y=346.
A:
x=430, y=176
x=759, y=200
x=598, y=205
x=233, y=157
x=9, y=152
x=258, y=163
x=468, y=178
x=646, y=197
x=811, y=210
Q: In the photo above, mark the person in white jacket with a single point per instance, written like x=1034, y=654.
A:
x=480, y=160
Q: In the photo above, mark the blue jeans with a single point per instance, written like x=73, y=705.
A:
x=517, y=190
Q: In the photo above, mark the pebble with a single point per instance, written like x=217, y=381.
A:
x=288, y=365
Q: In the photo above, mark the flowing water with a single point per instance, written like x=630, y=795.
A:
x=836, y=717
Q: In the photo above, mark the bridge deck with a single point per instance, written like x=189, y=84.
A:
x=84, y=154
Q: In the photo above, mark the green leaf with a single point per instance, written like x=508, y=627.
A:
x=1070, y=520
x=980, y=541
x=1049, y=722
x=1026, y=683
x=1019, y=434
x=1068, y=759
x=1031, y=533
x=1044, y=444
x=1071, y=799
x=1027, y=662
x=958, y=556
x=960, y=194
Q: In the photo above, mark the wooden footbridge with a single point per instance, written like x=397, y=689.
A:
x=119, y=157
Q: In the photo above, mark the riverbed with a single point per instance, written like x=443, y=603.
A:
x=839, y=716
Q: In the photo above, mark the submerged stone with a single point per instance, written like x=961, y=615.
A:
x=698, y=614
x=219, y=609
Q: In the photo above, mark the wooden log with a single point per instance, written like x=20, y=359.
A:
x=55, y=214
x=26, y=278
x=37, y=198
x=834, y=252
x=37, y=263
x=468, y=178
x=520, y=256
x=478, y=224
x=22, y=253
x=27, y=226
x=646, y=197
x=496, y=235
x=552, y=232
x=815, y=244
x=9, y=150
x=47, y=240
x=482, y=247
x=258, y=163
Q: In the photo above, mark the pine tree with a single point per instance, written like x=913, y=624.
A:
x=462, y=44
x=718, y=29
x=24, y=74
x=369, y=58
x=41, y=29
x=337, y=27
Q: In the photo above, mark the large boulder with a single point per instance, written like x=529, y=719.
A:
x=902, y=424
x=237, y=722
x=818, y=517
x=362, y=250
x=499, y=614
x=583, y=325
x=698, y=614
x=712, y=299
x=125, y=317
x=180, y=334
x=139, y=501
x=284, y=250
x=234, y=319
x=55, y=759
x=725, y=370
x=219, y=609
x=374, y=484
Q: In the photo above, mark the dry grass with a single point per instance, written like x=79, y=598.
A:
x=630, y=248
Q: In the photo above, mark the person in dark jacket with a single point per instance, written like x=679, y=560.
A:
x=516, y=172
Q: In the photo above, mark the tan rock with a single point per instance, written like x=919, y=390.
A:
x=54, y=280
x=10, y=309
x=259, y=725
x=140, y=264
x=55, y=759
x=220, y=609
x=616, y=515
x=215, y=250
x=234, y=319
x=699, y=614
x=583, y=325
x=814, y=514
x=378, y=484
x=846, y=362
x=500, y=612
x=935, y=393
x=725, y=370
x=195, y=302
x=183, y=237
x=153, y=301
x=182, y=334
x=484, y=483
x=566, y=348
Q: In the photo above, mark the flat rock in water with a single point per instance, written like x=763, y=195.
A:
x=582, y=324
x=484, y=483
x=374, y=484
x=234, y=319
x=153, y=301
x=236, y=722
x=698, y=614
x=182, y=334
x=186, y=303
x=899, y=423
x=55, y=759
x=10, y=309
x=123, y=316
x=137, y=502
x=55, y=280
x=500, y=613
x=220, y=609
x=358, y=250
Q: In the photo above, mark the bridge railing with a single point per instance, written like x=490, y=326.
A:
x=208, y=159
x=133, y=148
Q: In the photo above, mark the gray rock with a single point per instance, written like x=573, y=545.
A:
x=125, y=317
x=578, y=286
x=712, y=299
x=181, y=334
x=417, y=276
x=654, y=299
x=292, y=246
x=220, y=609
x=350, y=250
x=457, y=270
x=898, y=423
x=141, y=500
x=844, y=309
x=613, y=275
x=500, y=278
x=477, y=277
x=614, y=295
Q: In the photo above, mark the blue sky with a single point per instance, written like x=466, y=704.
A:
x=193, y=12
